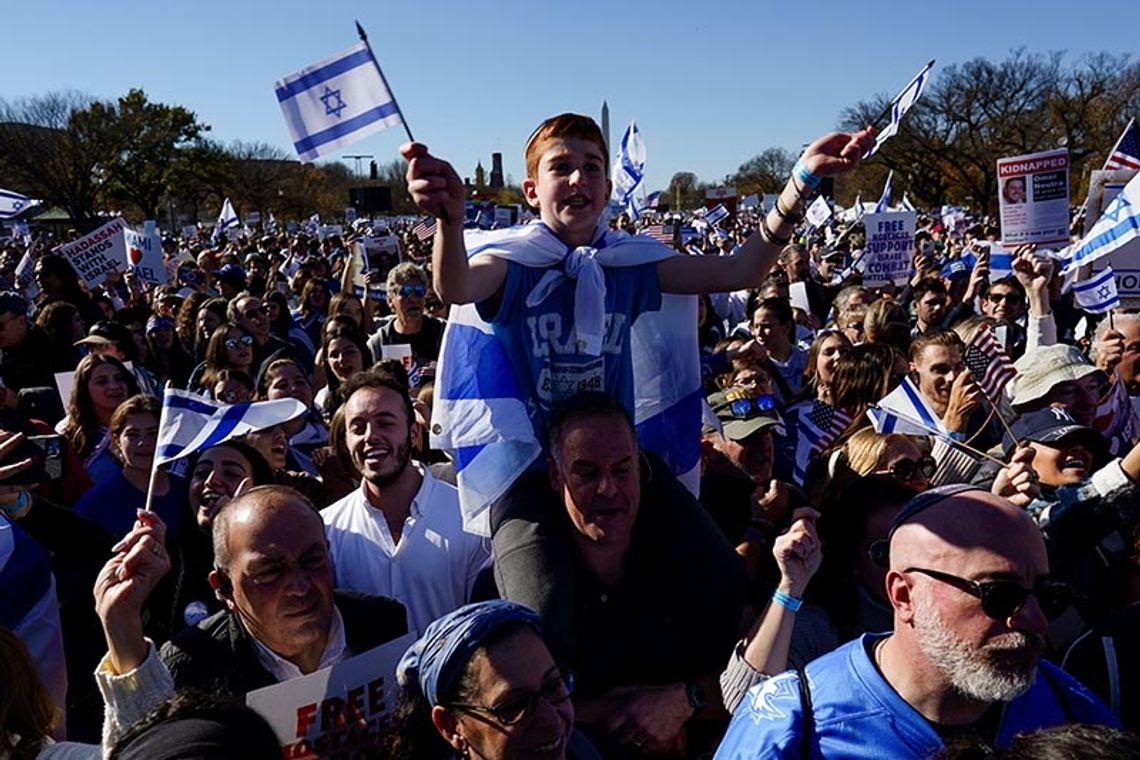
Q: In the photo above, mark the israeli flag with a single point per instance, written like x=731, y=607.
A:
x=270, y=224
x=884, y=203
x=716, y=214
x=905, y=410
x=1097, y=295
x=1119, y=224
x=190, y=423
x=859, y=210
x=899, y=107
x=629, y=173
x=314, y=224
x=336, y=102
x=906, y=204
x=228, y=218
x=12, y=204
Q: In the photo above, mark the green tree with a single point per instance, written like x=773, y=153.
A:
x=764, y=173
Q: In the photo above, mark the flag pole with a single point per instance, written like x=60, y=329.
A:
x=154, y=461
x=1119, y=140
x=403, y=120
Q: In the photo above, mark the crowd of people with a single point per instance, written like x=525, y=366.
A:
x=610, y=536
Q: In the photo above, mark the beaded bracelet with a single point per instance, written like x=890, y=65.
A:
x=787, y=214
x=787, y=601
x=807, y=176
x=18, y=508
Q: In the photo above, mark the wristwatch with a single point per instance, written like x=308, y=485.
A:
x=697, y=696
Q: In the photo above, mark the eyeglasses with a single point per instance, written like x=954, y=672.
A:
x=999, y=297
x=253, y=312
x=412, y=290
x=245, y=340
x=909, y=469
x=1002, y=599
x=519, y=707
x=743, y=407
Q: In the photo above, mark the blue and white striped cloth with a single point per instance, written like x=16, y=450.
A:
x=1099, y=294
x=1119, y=224
x=482, y=415
x=904, y=410
x=884, y=203
x=190, y=423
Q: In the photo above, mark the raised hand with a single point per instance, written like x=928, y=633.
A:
x=837, y=152
x=433, y=183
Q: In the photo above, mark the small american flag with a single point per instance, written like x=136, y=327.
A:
x=425, y=229
x=662, y=233
x=816, y=429
x=989, y=363
x=1126, y=154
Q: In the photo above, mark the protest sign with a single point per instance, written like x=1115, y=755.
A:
x=1033, y=197
x=505, y=216
x=144, y=256
x=97, y=253
x=769, y=202
x=189, y=230
x=890, y=247
x=337, y=711
x=818, y=212
x=253, y=218
x=328, y=230
x=797, y=293
x=750, y=201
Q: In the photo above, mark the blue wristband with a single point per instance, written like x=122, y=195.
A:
x=787, y=601
x=806, y=175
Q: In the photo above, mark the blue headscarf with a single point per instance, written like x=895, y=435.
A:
x=441, y=654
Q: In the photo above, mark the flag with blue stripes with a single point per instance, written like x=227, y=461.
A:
x=629, y=173
x=899, y=107
x=716, y=214
x=227, y=219
x=313, y=226
x=904, y=410
x=190, y=422
x=906, y=204
x=884, y=203
x=486, y=418
x=336, y=102
x=12, y=204
x=1097, y=295
x=1119, y=224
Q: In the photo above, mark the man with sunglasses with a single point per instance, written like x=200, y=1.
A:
x=410, y=324
x=971, y=593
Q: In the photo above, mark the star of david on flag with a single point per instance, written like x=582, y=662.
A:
x=1119, y=224
x=12, y=204
x=1097, y=295
x=334, y=103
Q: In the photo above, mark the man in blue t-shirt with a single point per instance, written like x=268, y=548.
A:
x=969, y=584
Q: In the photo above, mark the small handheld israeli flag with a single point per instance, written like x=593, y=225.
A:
x=629, y=173
x=336, y=102
x=716, y=214
x=190, y=423
x=314, y=224
x=884, y=203
x=1097, y=295
x=899, y=106
x=12, y=204
x=906, y=204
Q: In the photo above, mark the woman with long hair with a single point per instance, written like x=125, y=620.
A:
x=211, y=314
x=230, y=347
x=57, y=281
x=186, y=321
x=113, y=502
x=167, y=359
x=282, y=324
x=28, y=714
x=822, y=357
x=63, y=325
x=344, y=353
x=314, y=308
x=101, y=384
x=285, y=378
x=348, y=304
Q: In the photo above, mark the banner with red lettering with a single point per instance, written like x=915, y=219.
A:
x=338, y=711
x=97, y=253
x=1033, y=196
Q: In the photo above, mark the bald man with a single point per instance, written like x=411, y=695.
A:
x=969, y=583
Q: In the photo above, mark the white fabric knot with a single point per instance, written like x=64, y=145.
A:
x=580, y=264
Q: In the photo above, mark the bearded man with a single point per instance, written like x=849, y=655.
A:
x=401, y=533
x=970, y=588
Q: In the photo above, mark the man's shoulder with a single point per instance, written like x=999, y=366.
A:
x=208, y=644
x=369, y=619
x=338, y=513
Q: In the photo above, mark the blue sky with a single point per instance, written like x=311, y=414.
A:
x=710, y=84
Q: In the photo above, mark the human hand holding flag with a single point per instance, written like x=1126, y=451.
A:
x=434, y=184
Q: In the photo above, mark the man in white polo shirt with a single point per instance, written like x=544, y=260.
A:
x=401, y=533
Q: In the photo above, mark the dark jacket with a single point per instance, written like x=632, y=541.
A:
x=218, y=654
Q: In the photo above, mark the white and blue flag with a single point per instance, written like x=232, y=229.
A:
x=314, y=224
x=906, y=204
x=629, y=173
x=190, y=422
x=336, y=102
x=1119, y=224
x=12, y=204
x=716, y=214
x=884, y=203
x=1097, y=295
x=899, y=106
x=227, y=220
x=904, y=410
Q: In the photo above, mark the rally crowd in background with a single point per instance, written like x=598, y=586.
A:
x=828, y=590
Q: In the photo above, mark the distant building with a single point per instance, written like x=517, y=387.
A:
x=497, y=171
x=480, y=176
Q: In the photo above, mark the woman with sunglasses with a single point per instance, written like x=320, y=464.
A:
x=871, y=453
x=230, y=347
x=482, y=683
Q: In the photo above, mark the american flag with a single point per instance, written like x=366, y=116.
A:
x=989, y=363
x=663, y=233
x=1126, y=154
x=816, y=429
x=425, y=229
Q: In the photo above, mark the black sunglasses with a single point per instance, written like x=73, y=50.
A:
x=1001, y=599
x=909, y=469
x=520, y=707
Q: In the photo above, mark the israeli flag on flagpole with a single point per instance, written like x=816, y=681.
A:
x=899, y=107
x=884, y=203
x=906, y=204
x=12, y=204
x=1097, y=295
x=629, y=173
x=1119, y=224
x=190, y=422
x=336, y=102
